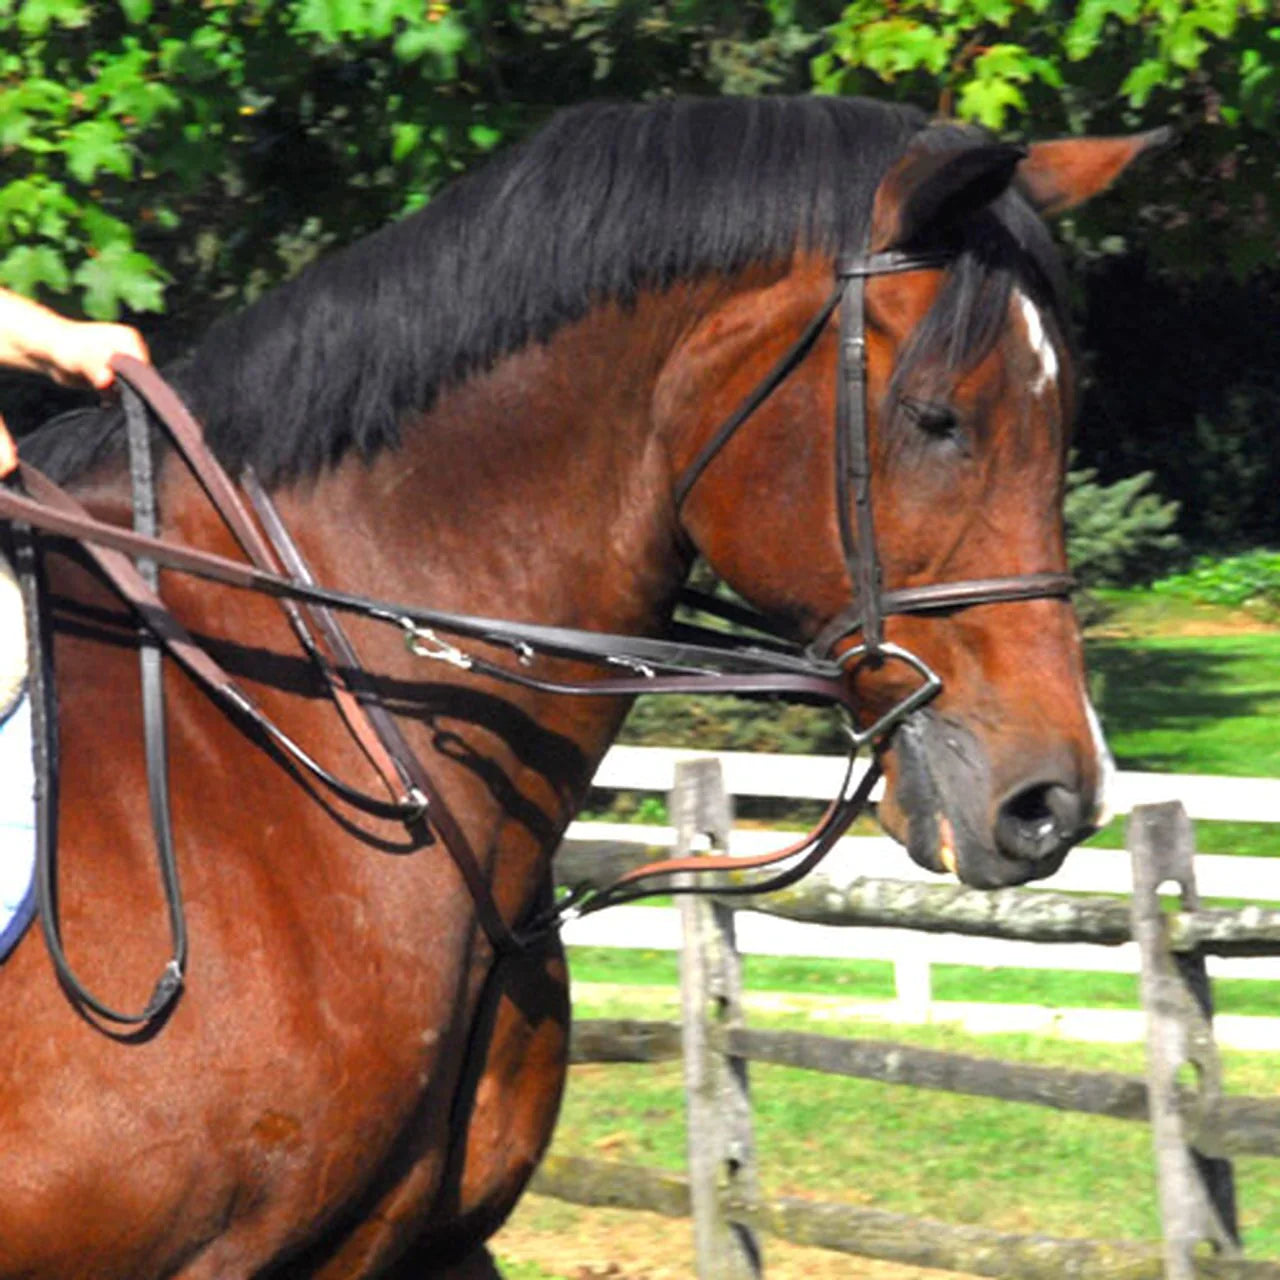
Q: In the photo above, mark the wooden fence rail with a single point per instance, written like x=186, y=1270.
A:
x=889, y=1237
x=1032, y=915
x=1195, y=1127
x=1240, y=1126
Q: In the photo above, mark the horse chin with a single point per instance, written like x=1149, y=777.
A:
x=939, y=779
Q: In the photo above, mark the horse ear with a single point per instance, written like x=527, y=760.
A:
x=1060, y=175
x=929, y=188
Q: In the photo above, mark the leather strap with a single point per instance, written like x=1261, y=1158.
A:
x=695, y=666
x=944, y=597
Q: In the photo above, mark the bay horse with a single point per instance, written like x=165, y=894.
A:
x=489, y=407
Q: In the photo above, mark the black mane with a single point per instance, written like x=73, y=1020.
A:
x=603, y=203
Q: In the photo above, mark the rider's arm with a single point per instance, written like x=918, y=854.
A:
x=73, y=352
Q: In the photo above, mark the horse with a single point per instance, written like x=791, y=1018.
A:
x=489, y=406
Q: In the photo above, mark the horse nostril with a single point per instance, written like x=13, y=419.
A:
x=1038, y=821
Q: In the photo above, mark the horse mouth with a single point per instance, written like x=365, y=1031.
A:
x=940, y=808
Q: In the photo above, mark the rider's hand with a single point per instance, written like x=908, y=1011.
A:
x=81, y=353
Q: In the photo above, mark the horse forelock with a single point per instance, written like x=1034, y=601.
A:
x=606, y=202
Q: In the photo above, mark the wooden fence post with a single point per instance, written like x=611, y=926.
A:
x=1196, y=1189
x=721, y=1149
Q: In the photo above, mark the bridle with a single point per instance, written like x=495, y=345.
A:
x=870, y=603
x=695, y=659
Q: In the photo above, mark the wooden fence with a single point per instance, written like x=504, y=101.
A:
x=786, y=928
x=1196, y=1130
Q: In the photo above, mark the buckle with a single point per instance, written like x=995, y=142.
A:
x=930, y=687
x=422, y=642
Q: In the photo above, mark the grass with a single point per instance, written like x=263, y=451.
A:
x=873, y=980
x=1191, y=704
x=1008, y=1166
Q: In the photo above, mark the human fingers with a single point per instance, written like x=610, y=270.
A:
x=101, y=342
x=8, y=452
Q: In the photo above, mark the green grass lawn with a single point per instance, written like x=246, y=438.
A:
x=1191, y=704
x=1008, y=1166
x=873, y=980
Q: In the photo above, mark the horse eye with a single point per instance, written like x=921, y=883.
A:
x=931, y=417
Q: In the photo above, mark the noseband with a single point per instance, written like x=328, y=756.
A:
x=871, y=603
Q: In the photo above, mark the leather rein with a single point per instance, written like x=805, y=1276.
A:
x=694, y=659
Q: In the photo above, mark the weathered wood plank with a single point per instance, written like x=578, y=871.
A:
x=1039, y=915
x=874, y=1233
x=1102, y=1093
x=719, y=1143
x=1196, y=1182
x=1242, y=1126
x=623, y=1040
x=1034, y=915
x=979, y=1251
x=609, y=1184
x=600, y=862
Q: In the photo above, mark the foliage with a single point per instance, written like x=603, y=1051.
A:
x=1116, y=532
x=209, y=149
x=1209, y=67
x=1250, y=580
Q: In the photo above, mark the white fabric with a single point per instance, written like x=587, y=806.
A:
x=17, y=810
x=13, y=640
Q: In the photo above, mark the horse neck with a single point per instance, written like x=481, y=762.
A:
x=539, y=490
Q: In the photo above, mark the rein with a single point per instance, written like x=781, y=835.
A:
x=697, y=659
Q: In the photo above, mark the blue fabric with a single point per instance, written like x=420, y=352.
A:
x=17, y=827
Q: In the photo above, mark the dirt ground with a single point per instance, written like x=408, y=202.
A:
x=616, y=1244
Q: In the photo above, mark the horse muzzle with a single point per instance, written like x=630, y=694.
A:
x=944, y=803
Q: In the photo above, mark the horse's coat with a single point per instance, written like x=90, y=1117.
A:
x=487, y=408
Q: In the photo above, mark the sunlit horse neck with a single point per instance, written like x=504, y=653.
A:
x=490, y=408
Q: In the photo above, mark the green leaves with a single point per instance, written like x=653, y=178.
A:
x=28, y=268
x=94, y=145
x=1037, y=67
x=36, y=17
x=119, y=274
x=226, y=139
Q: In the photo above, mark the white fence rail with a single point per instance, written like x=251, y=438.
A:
x=749, y=773
x=912, y=953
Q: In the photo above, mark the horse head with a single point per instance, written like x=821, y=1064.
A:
x=964, y=377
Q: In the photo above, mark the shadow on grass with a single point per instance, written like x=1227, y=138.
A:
x=1148, y=689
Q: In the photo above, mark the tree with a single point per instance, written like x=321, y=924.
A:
x=200, y=152
x=207, y=150
x=1209, y=67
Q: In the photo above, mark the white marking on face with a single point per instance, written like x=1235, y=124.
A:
x=1041, y=343
x=1106, y=768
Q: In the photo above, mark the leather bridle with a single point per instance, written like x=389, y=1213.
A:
x=871, y=603
x=696, y=659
